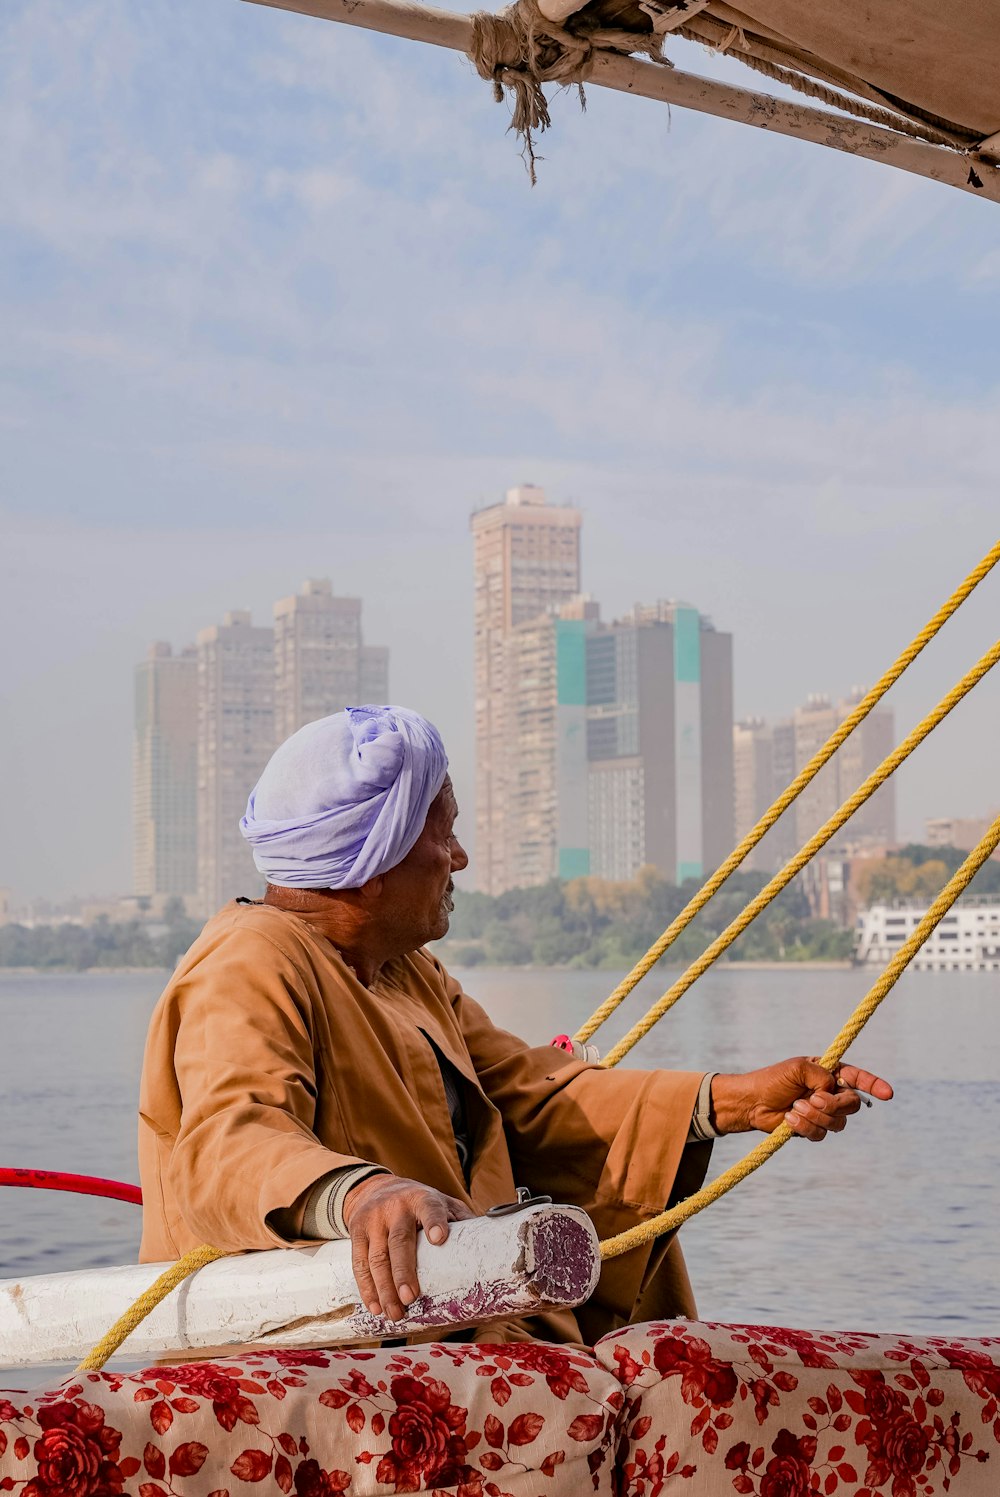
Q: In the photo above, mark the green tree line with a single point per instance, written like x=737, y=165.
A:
x=917, y=873
x=585, y=922
x=591, y=922
x=104, y=943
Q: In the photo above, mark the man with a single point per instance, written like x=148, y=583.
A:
x=312, y=1071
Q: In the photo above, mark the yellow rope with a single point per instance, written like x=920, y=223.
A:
x=668, y=1221
x=784, y=800
x=801, y=858
x=136, y=1313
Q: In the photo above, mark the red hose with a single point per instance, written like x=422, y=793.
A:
x=84, y=1185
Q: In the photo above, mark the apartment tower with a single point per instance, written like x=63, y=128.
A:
x=767, y=759
x=659, y=743
x=526, y=559
x=545, y=821
x=321, y=663
x=871, y=742
x=753, y=779
x=164, y=774
x=235, y=740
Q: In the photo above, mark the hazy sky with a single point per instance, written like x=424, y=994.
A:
x=277, y=300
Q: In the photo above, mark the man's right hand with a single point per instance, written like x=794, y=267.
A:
x=383, y=1215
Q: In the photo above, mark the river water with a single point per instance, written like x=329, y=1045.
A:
x=891, y=1226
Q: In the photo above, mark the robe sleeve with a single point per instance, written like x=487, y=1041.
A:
x=246, y=1070
x=612, y=1141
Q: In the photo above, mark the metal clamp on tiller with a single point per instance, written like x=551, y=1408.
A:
x=524, y=1200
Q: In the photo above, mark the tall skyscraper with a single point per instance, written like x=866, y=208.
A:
x=782, y=841
x=871, y=741
x=164, y=774
x=767, y=759
x=812, y=724
x=659, y=743
x=526, y=559
x=235, y=740
x=321, y=663
x=545, y=830
x=753, y=779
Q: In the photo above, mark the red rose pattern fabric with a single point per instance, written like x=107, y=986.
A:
x=691, y=1409
x=473, y=1421
x=711, y=1410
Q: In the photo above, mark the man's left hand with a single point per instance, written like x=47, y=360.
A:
x=810, y=1099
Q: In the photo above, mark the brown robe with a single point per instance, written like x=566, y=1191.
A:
x=268, y=1064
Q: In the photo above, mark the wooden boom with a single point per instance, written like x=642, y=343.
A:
x=442, y=28
x=491, y=1268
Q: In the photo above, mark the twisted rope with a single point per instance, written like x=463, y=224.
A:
x=669, y=1221
x=146, y=1303
x=780, y=880
x=518, y=50
x=802, y=779
x=834, y=98
x=812, y=88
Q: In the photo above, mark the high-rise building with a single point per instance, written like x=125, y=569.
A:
x=872, y=740
x=753, y=780
x=545, y=828
x=767, y=760
x=526, y=558
x=320, y=660
x=659, y=743
x=373, y=675
x=164, y=774
x=235, y=740
x=812, y=724
x=782, y=840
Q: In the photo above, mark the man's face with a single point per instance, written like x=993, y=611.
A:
x=416, y=895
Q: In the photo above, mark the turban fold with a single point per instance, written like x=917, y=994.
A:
x=344, y=798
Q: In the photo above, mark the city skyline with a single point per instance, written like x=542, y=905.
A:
x=605, y=794
x=939, y=798
x=274, y=328
x=208, y=719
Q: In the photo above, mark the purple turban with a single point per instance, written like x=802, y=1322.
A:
x=344, y=798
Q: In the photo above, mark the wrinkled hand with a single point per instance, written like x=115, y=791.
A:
x=798, y=1092
x=383, y=1215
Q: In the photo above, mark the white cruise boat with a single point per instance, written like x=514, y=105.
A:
x=967, y=939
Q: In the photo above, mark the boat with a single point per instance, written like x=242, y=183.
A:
x=967, y=940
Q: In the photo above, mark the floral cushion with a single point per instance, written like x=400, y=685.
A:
x=472, y=1420
x=711, y=1410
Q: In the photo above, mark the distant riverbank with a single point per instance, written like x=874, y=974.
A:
x=585, y=924
x=595, y=925
x=449, y=961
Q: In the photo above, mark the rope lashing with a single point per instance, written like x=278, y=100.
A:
x=146, y=1303
x=794, y=790
x=519, y=49
x=669, y=1221
x=780, y=880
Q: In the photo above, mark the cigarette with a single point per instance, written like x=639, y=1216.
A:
x=843, y=1087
